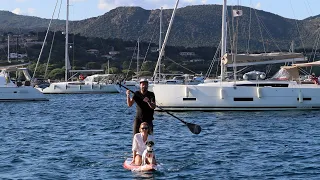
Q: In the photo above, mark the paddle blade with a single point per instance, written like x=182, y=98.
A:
x=194, y=128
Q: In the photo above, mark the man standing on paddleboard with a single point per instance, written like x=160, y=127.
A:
x=146, y=103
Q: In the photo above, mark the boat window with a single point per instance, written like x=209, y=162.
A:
x=242, y=99
x=305, y=99
x=178, y=78
x=189, y=99
x=264, y=85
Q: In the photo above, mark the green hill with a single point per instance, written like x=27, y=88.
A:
x=190, y=28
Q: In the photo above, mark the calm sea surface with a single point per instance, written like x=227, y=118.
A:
x=89, y=137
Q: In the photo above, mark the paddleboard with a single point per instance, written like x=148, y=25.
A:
x=148, y=167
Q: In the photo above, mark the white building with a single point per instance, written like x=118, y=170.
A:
x=93, y=51
x=107, y=56
x=17, y=56
x=196, y=60
x=187, y=53
x=114, y=52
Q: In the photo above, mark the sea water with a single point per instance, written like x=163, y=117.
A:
x=89, y=137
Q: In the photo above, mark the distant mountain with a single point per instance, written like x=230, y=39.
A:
x=10, y=22
x=193, y=26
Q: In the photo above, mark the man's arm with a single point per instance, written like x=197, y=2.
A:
x=152, y=102
x=130, y=101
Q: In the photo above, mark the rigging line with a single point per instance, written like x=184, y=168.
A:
x=135, y=48
x=139, y=38
x=181, y=65
x=46, y=71
x=259, y=23
x=315, y=50
x=303, y=71
x=52, y=41
x=294, y=15
x=219, y=63
x=229, y=33
x=165, y=39
x=103, y=49
x=249, y=29
x=314, y=47
x=243, y=69
x=268, y=69
x=270, y=35
x=308, y=7
x=211, y=66
x=35, y=69
x=146, y=54
x=25, y=47
x=5, y=52
x=218, y=60
x=234, y=45
x=214, y=59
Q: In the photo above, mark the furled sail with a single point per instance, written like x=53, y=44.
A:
x=265, y=58
x=316, y=63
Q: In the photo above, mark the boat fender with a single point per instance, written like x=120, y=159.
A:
x=7, y=78
x=222, y=93
x=300, y=97
x=80, y=87
x=187, y=92
x=259, y=92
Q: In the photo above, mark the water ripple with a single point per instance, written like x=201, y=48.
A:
x=89, y=137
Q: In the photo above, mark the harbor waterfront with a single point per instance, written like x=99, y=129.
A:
x=88, y=136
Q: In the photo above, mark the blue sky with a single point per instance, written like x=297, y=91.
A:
x=82, y=9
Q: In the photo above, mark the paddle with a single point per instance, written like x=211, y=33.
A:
x=194, y=128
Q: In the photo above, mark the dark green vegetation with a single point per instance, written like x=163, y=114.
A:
x=122, y=63
x=195, y=29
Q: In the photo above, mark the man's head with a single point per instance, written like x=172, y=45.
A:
x=144, y=85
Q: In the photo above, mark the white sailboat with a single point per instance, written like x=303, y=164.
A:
x=286, y=91
x=98, y=83
x=17, y=91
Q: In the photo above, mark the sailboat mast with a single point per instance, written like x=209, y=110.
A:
x=9, y=48
x=223, y=37
x=165, y=38
x=108, y=67
x=160, y=42
x=138, y=54
x=67, y=44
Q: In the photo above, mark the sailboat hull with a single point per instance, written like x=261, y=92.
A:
x=242, y=96
x=63, y=88
x=23, y=93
